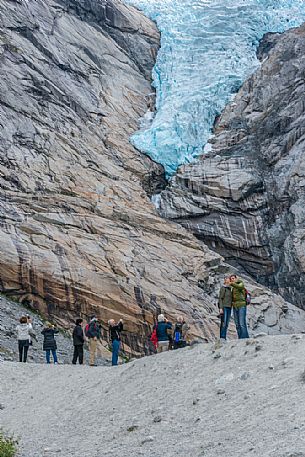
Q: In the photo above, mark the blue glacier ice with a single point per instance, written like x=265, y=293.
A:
x=208, y=48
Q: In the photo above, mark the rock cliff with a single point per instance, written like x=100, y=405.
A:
x=245, y=198
x=78, y=231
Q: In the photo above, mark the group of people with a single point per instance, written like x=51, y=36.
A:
x=233, y=295
x=165, y=336
x=91, y=334
x=26, y=334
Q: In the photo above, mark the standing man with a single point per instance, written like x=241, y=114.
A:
x=115, y=330
x=225, y=307
x=93, y=333
x=78, y=342
x=239, y=306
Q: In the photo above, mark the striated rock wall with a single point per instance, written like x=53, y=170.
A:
x=78, y=232
x=245, y=199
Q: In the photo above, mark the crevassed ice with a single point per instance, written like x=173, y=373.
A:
x=208, y=48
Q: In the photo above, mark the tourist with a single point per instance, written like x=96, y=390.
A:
x=115, y=330
x=78, y=342
x=163, y=327
x=225, y=307
x=24, y=332
x=49, y=342
x=180, y=333
x=239, y=305
x=93, y=333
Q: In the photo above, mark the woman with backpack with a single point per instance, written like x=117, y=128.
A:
x=24, y=333
x=49, y=342
x=239, y=304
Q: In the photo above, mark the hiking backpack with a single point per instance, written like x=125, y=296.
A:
x=248, y=297
x=88, y=329
x=154, y=337
x=178, y=333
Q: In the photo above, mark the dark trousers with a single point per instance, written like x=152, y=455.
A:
x=23, y=346
x=78, y=354
x=115, y=352
x=240, y=317
x=224, y=322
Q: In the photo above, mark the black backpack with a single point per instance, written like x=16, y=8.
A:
x=90, y=329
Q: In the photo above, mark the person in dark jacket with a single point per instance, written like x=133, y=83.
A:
x=163, y=328
x=115, y=330
x=78, y=342
x=49, y=342
x=225, y=307
x=93, y=333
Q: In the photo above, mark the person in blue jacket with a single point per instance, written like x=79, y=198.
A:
x=164, y=329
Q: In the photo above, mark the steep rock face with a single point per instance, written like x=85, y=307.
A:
x=78, y=231
x=246, y=197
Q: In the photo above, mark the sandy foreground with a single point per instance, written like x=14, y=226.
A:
x=245, y=399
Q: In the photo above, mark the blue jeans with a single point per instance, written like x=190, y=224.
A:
x=240, y=317
x=48, y=354
x=224, y=324
x=115, y=351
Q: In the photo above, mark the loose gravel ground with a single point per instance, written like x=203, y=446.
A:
x=244, y=399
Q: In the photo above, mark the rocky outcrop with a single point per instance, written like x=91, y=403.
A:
x=245, y=198
x=78, y=231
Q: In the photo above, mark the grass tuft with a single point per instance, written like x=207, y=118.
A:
x=8, y=446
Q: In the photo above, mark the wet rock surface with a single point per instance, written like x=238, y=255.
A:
x=245, y=198
x=137, y=408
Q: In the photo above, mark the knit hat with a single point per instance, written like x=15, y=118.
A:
x=161, y=318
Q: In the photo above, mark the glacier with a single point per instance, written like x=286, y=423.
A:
x=208, y=49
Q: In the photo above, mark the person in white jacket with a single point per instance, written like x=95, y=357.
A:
x=24, y=333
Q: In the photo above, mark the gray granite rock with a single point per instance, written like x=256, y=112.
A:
x=245, y=198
